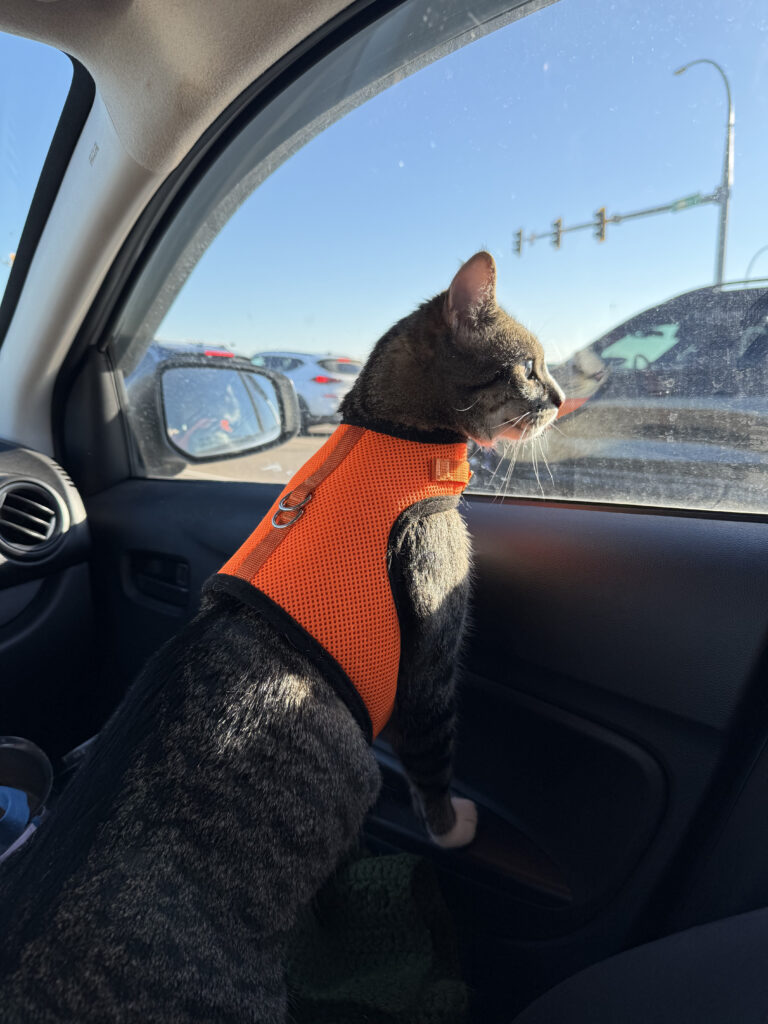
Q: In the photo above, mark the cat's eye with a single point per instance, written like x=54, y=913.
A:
x=528, y=368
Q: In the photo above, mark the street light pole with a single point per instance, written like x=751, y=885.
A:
x=727, y=179
x=753, y=260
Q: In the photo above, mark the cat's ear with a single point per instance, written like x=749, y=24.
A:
x=472, y=290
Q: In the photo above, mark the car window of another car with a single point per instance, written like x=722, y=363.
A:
x=35, y=80
x=349, y=367
x=643, y=346
x=437, y=131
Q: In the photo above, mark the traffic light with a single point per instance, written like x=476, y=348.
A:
x=519, y=242
x=600, y=224
x=557, y=232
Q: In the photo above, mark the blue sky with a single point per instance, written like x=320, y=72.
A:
x=35, y=80
x=569, y=109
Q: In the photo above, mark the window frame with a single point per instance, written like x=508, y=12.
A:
x=169, y=200
x=74, y=114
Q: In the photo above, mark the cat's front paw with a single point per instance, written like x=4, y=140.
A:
x=464, y=828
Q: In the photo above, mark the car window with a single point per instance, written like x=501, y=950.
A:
x=35, y=81
x=642, y=347
x=348, y=367
x=593, y=156
x=281, y=363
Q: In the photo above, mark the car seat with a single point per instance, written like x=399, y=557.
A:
x=712, y=974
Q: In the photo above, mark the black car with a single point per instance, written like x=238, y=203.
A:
x=652, y=404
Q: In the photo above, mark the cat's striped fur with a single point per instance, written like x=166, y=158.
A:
x=217, y=801
x=231, y=780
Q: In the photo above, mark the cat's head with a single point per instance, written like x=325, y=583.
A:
x=460, y=363
x=494, y=369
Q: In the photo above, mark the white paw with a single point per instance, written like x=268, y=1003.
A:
x=465, y=826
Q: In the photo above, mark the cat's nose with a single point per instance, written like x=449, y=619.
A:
x=556, y=394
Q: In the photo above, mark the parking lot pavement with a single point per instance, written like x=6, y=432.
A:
x=274, y=466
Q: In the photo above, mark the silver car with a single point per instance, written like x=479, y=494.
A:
x=321, y=381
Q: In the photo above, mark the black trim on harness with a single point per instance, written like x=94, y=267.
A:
x=299, y=638
x=440, y=436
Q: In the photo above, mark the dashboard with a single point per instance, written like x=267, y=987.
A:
x=46, y=609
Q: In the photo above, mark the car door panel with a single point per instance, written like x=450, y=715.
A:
x=608, y=655
x=662, y=609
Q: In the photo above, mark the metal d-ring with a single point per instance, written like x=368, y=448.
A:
x=290, y=508
x=298, y=508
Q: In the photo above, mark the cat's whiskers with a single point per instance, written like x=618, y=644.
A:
x=501, y=457
x=544, y=457
x=502, y=491
x=508, y=476
x=468, y=407
x=507, y=445
x=510, y=423
x=535, y=466
x=499, y=462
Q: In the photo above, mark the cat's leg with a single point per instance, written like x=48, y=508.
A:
x=431, y=561
x=306, y=813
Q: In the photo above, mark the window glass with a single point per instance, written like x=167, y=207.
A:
x=35, y=80
x=558, y=137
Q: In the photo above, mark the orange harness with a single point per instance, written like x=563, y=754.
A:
x=318, y=560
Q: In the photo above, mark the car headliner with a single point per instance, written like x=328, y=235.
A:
x=166, y=70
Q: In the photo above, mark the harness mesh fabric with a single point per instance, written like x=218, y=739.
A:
x=327, y=567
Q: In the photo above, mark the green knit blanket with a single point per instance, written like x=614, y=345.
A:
x=377, y=947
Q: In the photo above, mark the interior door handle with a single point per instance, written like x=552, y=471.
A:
x=160, y=576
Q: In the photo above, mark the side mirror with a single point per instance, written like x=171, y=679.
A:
x=193, y=408
x=219, y=412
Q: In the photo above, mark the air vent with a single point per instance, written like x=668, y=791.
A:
x=32, y=519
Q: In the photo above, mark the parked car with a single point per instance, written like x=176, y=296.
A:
x=653, y=403
x=709, y=339
x=321, y=381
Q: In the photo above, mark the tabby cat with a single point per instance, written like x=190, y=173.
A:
x=232, y=778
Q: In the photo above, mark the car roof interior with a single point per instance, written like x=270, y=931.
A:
x=166, y=71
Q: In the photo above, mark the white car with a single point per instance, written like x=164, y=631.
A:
x=321, y=381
